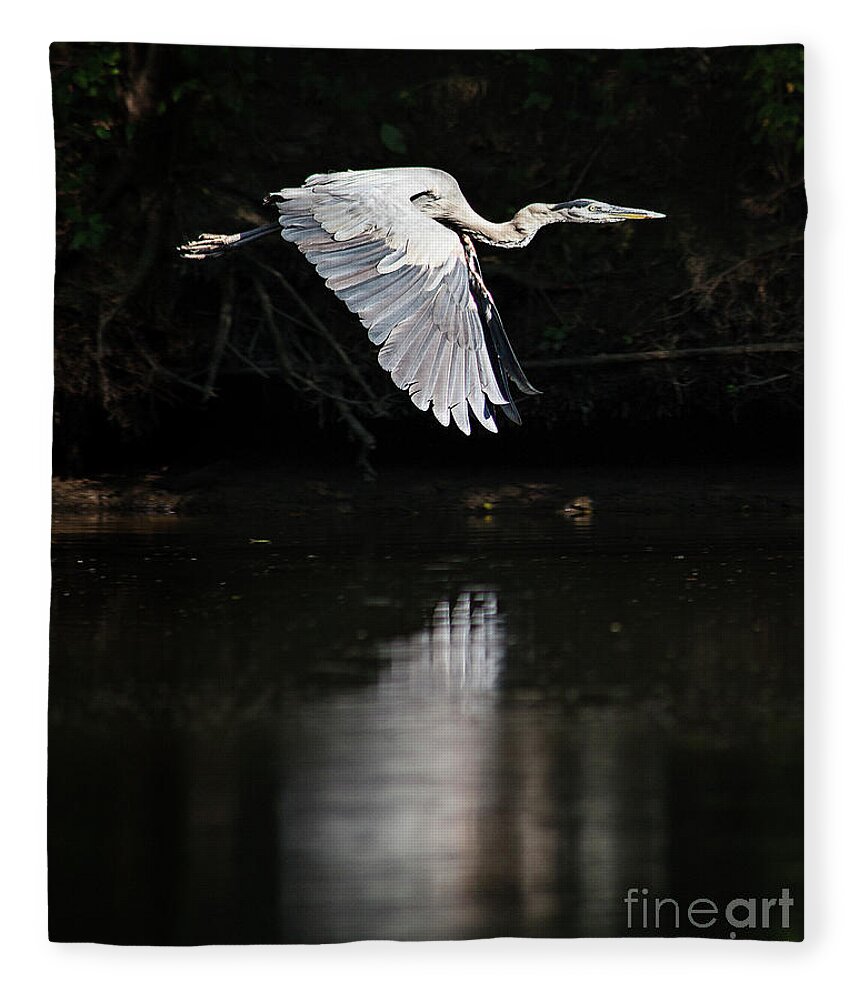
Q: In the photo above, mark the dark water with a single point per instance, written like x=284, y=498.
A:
x=434, y=726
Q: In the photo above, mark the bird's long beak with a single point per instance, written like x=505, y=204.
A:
x=634, y=213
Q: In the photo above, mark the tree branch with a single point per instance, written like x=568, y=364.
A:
x=225, y=322
x=643, y=357
x=324, y=330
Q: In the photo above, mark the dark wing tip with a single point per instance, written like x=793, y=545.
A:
x=510, y=411
x=506, y=367
x=504, y=361
x=524, y=385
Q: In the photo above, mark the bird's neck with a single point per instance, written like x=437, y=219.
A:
x=518, y=232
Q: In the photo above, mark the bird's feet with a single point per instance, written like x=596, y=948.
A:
x=208, y=245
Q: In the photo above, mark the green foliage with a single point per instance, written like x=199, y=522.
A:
x=86, y=108
x=392, y=138
x=776, y=95
x=89, y=230
x=538, y=100
x=555, y=337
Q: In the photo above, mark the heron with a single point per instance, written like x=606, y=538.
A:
x=397, y=246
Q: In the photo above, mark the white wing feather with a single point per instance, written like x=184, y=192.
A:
x=406, y=277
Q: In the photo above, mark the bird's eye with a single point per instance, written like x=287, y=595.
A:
x=594, y=208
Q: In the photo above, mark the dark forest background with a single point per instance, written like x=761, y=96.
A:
x=163, y=360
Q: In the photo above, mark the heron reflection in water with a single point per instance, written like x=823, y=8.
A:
x=460, y=653
x=383, y=835
x=425, y=806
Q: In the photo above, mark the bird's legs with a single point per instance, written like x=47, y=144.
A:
x=213, y=245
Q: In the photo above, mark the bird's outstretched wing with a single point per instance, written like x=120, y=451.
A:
x=410, y=281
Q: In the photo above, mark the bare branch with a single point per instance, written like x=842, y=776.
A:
x=324, y=330
x=642, y=357
x=225, y=322
x=252, y=365
x=712, y=283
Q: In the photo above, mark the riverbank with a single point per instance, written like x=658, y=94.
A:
x=225, y=488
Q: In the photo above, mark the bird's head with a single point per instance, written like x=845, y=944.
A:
x=589, y=210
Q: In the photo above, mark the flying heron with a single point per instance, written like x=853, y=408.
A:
x=397, y=246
